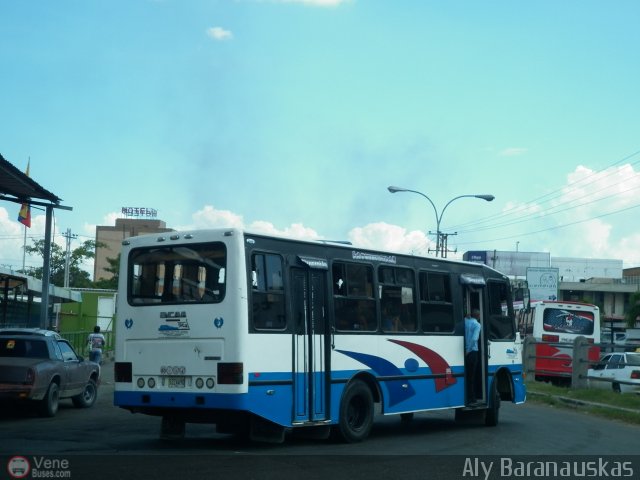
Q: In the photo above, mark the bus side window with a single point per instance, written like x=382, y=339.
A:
x=397, y=302
x=355, y=307
x=501, y=325
x=436, y=304
x=267, y=292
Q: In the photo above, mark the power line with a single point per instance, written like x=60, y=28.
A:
x=547, y=213
x=557, y=227
x=558, y=193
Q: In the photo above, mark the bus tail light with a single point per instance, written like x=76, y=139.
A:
x=635, y=374
x=122, y=372
x=230, y=373
x=550, y=338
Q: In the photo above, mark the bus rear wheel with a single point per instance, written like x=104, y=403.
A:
x=356, y=412
x=172, y=428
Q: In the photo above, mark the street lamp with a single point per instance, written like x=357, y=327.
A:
x=487, y=198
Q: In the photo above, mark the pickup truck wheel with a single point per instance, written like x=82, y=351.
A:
x=88, y=396
x=49, y=404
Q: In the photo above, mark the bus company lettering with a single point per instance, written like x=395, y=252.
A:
x=173, y=316
x=176, y=324
x=376, y=257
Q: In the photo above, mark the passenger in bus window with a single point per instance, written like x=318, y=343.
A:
x=390, y=321
x=407, y=318
x=472, y=329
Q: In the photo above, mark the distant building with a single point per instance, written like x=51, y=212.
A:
x=603, y=282
x=112, y=237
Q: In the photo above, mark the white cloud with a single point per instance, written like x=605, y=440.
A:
x=512, y=152
x=13, y=240
x=383, y=236
x=219, y=33
x=209, y=217
x=296, y=230
x=592, y=216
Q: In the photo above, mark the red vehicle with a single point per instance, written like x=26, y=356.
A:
x=555, y=326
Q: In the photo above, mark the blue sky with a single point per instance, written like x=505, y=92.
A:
x=295, y=116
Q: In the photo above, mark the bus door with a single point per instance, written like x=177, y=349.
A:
x=310, y=341
x=473, y=300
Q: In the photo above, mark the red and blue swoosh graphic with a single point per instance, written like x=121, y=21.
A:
x=399, y=388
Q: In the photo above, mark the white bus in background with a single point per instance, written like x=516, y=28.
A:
x=263, y=335
x=555, y=326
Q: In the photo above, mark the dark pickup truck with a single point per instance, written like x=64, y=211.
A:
x=41, y=367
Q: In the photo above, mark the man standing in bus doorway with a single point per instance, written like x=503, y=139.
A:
x=471, y=354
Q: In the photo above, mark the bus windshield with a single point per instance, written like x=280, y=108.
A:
x=174, y=275
x=568, y=321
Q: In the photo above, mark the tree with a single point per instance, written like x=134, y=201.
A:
x=78, y=277
x=634, y=310
x=114, y=270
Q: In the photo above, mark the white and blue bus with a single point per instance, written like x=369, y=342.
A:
x=262, y=335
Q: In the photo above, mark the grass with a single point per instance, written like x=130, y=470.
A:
x=610, y=404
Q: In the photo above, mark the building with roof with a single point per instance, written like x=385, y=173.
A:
x=18, y=187
x=603, y=282
x=109, y=240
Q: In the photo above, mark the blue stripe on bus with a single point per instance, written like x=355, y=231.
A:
x=272, y=396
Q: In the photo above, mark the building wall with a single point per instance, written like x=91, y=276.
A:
x=576, y=269
x=603, y=282
x=82, y=316
x=112, y=237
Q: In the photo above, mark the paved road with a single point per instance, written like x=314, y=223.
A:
x=94, y=436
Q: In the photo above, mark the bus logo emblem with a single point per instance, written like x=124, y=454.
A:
x=218, y=322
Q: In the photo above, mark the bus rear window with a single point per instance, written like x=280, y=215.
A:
x=567, y=321
x=177, y=274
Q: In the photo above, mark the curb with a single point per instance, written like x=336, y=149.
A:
x=582, y=403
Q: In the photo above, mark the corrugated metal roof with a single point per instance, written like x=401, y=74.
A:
x=17, y=184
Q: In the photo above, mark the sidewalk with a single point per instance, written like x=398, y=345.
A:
x=106, y=372
x=582, y=403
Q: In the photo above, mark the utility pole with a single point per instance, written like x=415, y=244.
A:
x=69, y=236
x=443, y=244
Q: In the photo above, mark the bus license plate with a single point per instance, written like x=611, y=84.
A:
x=176, y=382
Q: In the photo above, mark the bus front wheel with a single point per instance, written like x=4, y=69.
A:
x=492, y=413
x=356, y=412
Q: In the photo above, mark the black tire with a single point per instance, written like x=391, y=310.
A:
x=406, y=417
x=616, y=387
x=465, y=417
x=88, y=396
x=172, y=428
x=356, y=412
x=492, y=414
x=49, y=404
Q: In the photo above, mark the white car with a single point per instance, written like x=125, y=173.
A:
x=619, y=371
x=619, y=338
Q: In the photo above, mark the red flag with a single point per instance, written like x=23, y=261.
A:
x=24, y=216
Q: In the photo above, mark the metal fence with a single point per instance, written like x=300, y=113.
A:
x=578, y=375
x=78, y=341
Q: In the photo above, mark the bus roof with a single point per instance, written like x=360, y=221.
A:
x=192, y=235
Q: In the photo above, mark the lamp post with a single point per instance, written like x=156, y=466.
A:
x=487, y=198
